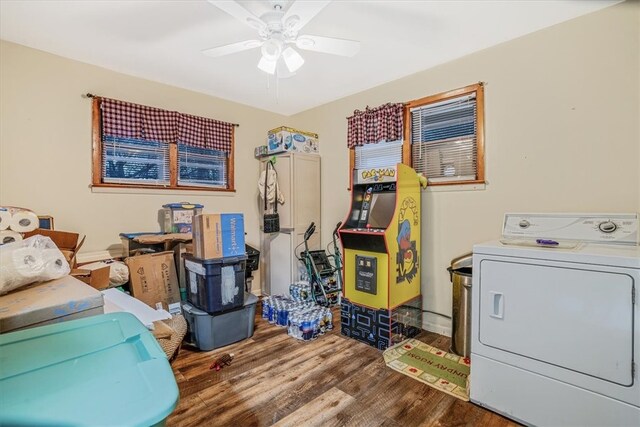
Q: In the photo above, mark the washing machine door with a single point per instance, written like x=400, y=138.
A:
x=573, y=322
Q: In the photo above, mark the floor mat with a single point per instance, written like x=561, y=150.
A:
x=441, y=370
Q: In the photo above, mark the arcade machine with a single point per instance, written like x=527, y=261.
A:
x=382, y=304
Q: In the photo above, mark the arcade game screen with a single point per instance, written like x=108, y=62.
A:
x=382, y=207
x=373, y=207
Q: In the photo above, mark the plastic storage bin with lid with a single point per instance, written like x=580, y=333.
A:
x=211, y=331
x=215, y=285
x=178, y=217
x=100, y=370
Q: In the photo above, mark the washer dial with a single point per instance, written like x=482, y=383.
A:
x=607, y=227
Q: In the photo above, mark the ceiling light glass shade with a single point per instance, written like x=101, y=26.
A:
x=268, y=66
x=271, y=49
x=293, y=59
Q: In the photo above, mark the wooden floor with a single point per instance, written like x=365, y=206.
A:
x=332, y=381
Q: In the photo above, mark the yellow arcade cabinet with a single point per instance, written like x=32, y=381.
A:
x=381, y=251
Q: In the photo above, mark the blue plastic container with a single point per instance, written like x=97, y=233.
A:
x=215, y=285
x=100, y=370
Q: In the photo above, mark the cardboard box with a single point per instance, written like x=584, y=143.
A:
x=284, y=139
x=153, y=280
x=48, y=302
x=218, y=235
x=98, y=278
x=260, y=151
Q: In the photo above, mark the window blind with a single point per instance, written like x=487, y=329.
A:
x=134, y=161
x=382, y=154
x=201, y=166
x=443, y=139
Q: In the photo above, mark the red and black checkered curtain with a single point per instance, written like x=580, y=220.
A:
x=383, y=123
x=127, y=120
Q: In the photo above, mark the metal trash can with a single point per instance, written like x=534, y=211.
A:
x=460, y=272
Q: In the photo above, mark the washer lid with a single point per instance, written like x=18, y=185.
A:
x=585, y=253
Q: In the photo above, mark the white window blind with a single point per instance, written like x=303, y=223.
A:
x=382, y=154
x=132, y=161
x=201, y=167
x=443, y=139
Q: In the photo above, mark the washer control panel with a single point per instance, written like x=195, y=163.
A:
x=589, y=228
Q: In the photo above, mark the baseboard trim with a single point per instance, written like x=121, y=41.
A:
x=87, y=257
x=438, y=329
x=433, y=323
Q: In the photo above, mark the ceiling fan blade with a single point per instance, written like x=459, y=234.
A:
x=330, y=45
x=301, y=12
x=240, y=13
x=227, y=49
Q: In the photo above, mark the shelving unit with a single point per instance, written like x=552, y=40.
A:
x=299, y=181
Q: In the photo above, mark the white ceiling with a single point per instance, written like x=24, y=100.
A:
x=163, y=40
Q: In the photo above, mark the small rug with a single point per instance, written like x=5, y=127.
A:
x=444, y=371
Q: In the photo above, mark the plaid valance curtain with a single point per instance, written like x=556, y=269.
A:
x=383, y=123
x=128, y=120
x=204, y=133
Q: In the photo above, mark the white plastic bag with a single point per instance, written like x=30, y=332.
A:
x=31, y=260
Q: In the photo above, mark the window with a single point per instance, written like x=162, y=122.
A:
x=136, y=146
x=201, y=166
x=129, y=161
x=382, y=154
x=446, y=134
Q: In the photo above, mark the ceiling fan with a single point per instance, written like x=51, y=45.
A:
x=278, y=32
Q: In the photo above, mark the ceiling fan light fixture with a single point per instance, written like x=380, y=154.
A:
x=272, y=49
x=292, y=59
x=267, y=65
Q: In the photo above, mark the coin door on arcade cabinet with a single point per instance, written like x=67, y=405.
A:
x=381, y=241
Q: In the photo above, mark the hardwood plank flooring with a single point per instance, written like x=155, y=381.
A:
x=332, y=381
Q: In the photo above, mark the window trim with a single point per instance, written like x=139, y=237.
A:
x=96, y=162
x=478, y=89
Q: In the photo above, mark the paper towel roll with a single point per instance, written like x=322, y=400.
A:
x=5, y=219
x=20, y=267
x=9, y=236
x=24, y=221
x=55, y=265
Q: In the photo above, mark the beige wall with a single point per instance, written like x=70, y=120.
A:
x=45, y=146
x=562, y=135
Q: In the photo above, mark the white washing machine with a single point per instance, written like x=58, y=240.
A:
x=555, y=320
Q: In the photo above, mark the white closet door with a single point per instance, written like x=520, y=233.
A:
x=306, y=183
x=284, y=168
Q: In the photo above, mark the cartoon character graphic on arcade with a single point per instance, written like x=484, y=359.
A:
x=407, y=258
